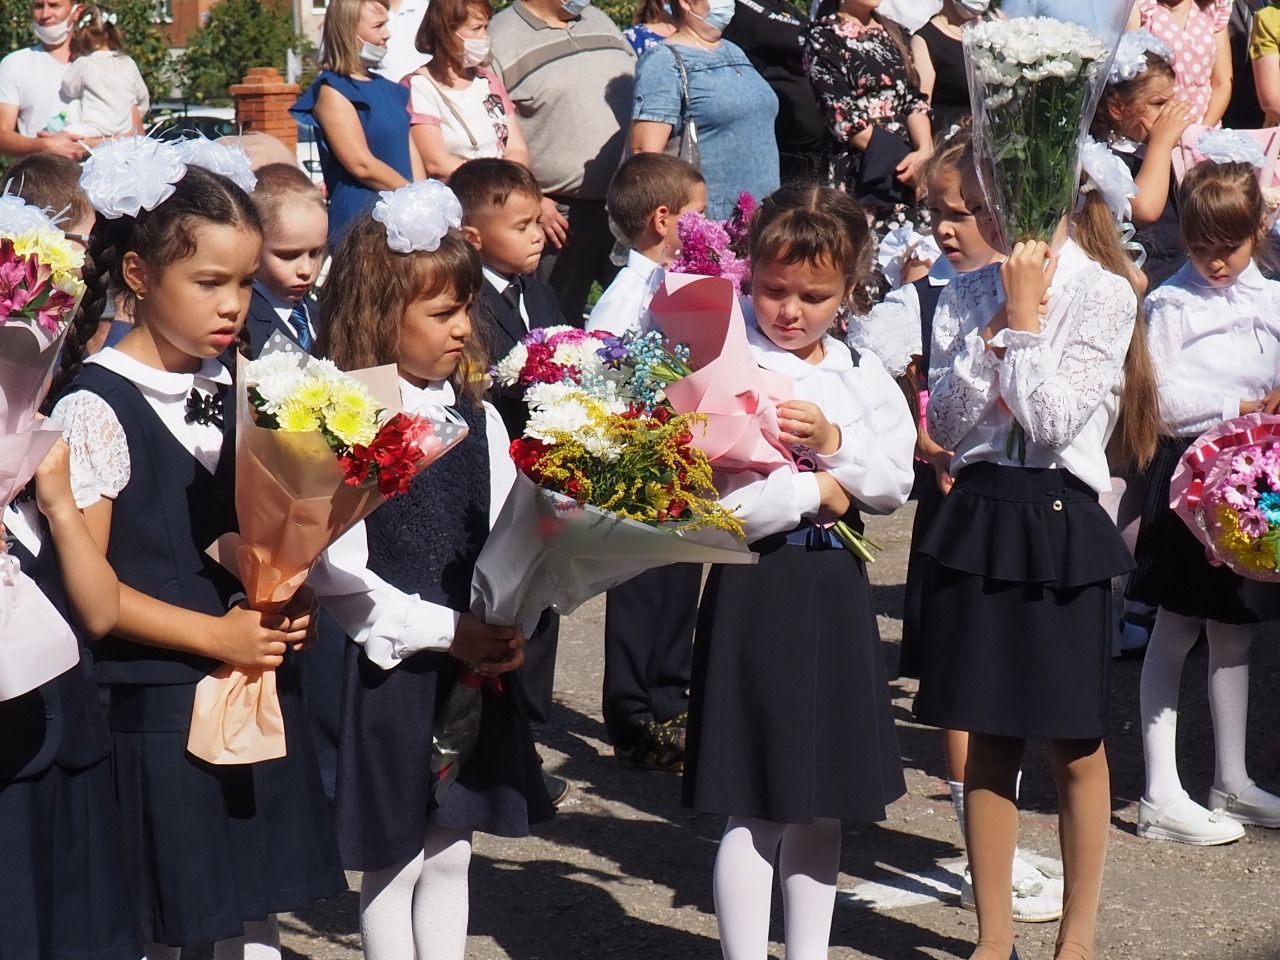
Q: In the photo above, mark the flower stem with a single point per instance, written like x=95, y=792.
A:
x=856, y=543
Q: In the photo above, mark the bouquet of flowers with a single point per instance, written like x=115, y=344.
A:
x=1035, y=79
x=713, y=248
x=1227, y=491
x=40, y=290
x=317, y=450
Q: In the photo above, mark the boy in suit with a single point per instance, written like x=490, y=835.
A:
x=295, y=225
x=502, y=218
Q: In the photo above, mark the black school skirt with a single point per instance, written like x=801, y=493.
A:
x=1173, y=570
x=915, y=605
x=1017, y=639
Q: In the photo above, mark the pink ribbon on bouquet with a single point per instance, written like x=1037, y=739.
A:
x=1199, y=459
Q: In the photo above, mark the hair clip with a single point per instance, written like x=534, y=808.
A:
x=417, y=216
x=123, y=177
x=220, y=158
x=1230, y=146
x=1131, y=55
x=1108, y=176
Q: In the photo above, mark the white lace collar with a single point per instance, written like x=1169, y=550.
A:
x=769, y=355
x=163, y=383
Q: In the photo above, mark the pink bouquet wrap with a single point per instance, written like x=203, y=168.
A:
x=1226, y=489
x=727, y=386
x=1267, y=140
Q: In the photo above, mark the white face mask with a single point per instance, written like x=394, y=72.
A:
x=719, y=13
x=53, y=35
x=475, y=51
x=372, y=54
x=975, y=8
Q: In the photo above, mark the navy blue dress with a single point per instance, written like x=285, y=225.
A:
x=62, y=876
x=207, y=846
x=383, y=109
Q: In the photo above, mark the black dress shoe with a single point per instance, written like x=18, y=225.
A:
x=557, y=787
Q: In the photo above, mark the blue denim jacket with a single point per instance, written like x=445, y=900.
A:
x=733, y=109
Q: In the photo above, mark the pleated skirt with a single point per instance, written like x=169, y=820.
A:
x=928, y=500
x=211, y=846
x=789, y=711
x=385, y=789
x=1173, y=570
x=1017, y=635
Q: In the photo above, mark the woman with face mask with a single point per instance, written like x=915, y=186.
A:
x=458, y=108
x=698, y=96
x=938, y=53
x=363, y=119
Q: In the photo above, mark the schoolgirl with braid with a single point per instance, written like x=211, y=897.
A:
x=213, y=852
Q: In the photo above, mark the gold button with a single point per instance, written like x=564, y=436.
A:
x=1057, y=505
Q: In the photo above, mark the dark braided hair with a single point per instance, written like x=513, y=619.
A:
x=160, y=237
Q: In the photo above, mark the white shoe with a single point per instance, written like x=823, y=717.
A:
x=1047, y=866
x=1034, y=901
x=1252, y=805
x=1182, y=820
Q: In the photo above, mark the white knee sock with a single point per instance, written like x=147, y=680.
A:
x=809, y=864
x=386, y=911
x=1229, y=702
x=743, y=886
x=440, y=897
x=957, y=801
x=1171, y=641
x=261, y=941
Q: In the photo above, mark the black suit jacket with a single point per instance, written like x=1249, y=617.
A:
x=264, y=321
x=502, y=328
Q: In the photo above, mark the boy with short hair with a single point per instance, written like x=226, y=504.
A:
x=648, y=195
x=295, y=226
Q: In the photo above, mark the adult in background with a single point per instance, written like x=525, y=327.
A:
x=1196, y=32
x=458, y=108
x=650, y=26
x=1264, y=51
x=363, y=118
x=570, y=73
x=32, y=110
x=404, y=18
x=938, y=54
x=1245, y=110
x=698, y=75
x=769, y=32
x=877, y=117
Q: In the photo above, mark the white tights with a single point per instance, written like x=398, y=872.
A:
x=419, y=909
x=1171, y=640
x=808, y=857
x=261, y=941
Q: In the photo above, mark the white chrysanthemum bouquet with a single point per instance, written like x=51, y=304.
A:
x=1035, y=80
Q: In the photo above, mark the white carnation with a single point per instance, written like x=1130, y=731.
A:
x=569, y=415
x=510, y=366
x=276, y=376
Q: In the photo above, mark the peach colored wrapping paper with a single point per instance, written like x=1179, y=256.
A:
x=291, y=504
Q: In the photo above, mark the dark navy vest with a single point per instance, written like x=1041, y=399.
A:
x=61, y=721
x=426, y=540
x=163, y=521
x=928, y=295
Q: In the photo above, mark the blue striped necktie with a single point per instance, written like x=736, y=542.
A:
x=301, y=329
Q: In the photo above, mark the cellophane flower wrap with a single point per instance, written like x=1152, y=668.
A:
x=317, y=449
x=1227, y=490
x=1035, y=77
x=717, y=248
x=40, y=291
x=609, y=486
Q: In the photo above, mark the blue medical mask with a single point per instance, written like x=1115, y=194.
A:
x=719, y=13
x=574, y=8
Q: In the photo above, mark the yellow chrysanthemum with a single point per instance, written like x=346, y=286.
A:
x=295, y=417
x=353, y=398
x=313, y=393
x=351, y=427
x=63, y=258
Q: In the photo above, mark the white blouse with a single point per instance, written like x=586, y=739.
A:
x=1061, y=384
x=877, y=440
x=99, y=448
x=1212, y=347
x=390, y=624
x=625, y=305
x=891, y=330
x=474, y=120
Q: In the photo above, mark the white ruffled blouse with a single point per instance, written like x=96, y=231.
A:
x=1212, y=347
x=1061, y=384
x=891, y=330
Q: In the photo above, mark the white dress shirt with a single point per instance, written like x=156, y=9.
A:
x=99, y=448
x=891, y=331
x=624, y=305
x=392, y=625
x=403, y=56
x=500, y=283
x=1212, y=347
x=877, y=440
x=1062, y=384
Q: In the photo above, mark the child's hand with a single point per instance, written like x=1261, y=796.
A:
x=804, y=424
x=1250, y=406
x=1271, y=402
x=1026, y=276
x=302, y=612
x=251, y=638
x=1169, y=125
x=835, y=500
x=491, y=650
x=53, y=481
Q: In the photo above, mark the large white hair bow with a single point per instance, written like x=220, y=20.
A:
x=1230, y=146
x=123, y=177
x=1107, y=175
x=231, y=162
x=417, y=216
x=1131, y=55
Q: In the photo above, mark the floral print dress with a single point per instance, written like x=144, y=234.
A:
x=861, y=80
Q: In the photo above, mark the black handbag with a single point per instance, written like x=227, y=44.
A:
x=876, y=185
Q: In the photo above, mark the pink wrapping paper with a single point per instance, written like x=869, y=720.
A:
x=1186, y=156
x=738, y=397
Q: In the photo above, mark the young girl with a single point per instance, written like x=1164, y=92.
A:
x=1139, y=119
x=104, y=79
x=1215, y=342
x=459, y=110
x=400, y=583
x=1196, y=32
x=790, y=729
x=1017, y=642
x=214, y=851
